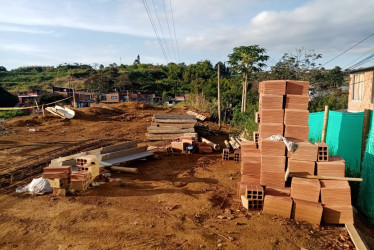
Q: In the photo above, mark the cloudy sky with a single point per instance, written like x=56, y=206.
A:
x=51, y=32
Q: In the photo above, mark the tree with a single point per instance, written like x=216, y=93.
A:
x=7, y=99
x=2, y=68
x=247, y=60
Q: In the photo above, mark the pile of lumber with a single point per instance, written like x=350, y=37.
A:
x=197, y=115
x=291, y=187
x=169, y=127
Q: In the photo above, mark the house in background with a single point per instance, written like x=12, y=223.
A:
x=27, y=98
x=361, y=90
x=82, y=98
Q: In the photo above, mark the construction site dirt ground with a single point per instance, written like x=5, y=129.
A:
x=187, y=201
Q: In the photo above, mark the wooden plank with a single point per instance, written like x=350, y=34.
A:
x=174, y=117
x=168, y=126
x=113, y=148
x=325, y=177
x=356, y=238
x=127, y=158
x=177, y=121
x=171, y=131
x=123, y=153
x=162, y=137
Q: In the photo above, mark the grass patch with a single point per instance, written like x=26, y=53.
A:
x=11, y=113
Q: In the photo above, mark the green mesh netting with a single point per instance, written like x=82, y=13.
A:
x=344, y=136
x=366, y=196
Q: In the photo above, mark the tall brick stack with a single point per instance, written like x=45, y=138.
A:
x=283, y=110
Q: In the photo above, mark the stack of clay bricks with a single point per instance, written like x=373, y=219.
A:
x=180, y=143
x=90, y=164
x=283, y=110
x=59, y=177
x=80, y=180
x=235, y=156
x=253, y=199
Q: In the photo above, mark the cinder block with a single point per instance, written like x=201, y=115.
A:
x=252, y=204
x=177, y=146
x=335, y=192
x=297, y=102
x=323, y=151
x=59, y=183
x=269, y=129
x=293, y=132
x=307, y=211
x=275, y=148
x=255, y=192
x=296, y=117
x=301, y=167
x=272, y=115
x=305, y=151
x=271, y=102
x=338, y=214
x=87, y=159
x=278, y=205
x=305, y=189
x=277, y=87
x=256, y=136
x=334, y=167
x=297, y=88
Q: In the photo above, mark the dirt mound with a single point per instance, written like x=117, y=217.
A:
x=25, y=121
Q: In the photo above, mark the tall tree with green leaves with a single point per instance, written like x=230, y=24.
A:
x=247, y=60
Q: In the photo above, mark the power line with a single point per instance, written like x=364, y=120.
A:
x=358, y=58
x=175, y=34
x=367, y=59
x=154, y=28
x=348, y=49
x=171, y=39
x=162, y=32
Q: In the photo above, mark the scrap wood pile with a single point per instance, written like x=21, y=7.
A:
x=169, y=127
x=189, y=143
x=283, y=111
x=77, y=172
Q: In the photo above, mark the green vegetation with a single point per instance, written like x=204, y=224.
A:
x=11, y=113
x=239, y=80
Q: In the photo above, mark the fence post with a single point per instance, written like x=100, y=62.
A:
x=365, y=131
x=325, y=121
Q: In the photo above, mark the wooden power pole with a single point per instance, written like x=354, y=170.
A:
x=219, y=98
x=325, y=121
x=74, y=101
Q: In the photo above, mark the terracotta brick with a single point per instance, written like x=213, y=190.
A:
x=272, y=115
x=307, y=211
x=294, y=132
x=334, y=167
x=296, y=117
x=273, y=179
x=269, y=129
x=251, y=168
x=273, y=163
x=252, y=204
x=297, y=102
x=256, y=136
x=271, y=102
x=338, y=214
x=276, y=148
x=301, y=167
x=335, y=192
x=250, y=180
x=278, y=191
x=248, y=147
x=257, y=117
x=297, y=88
x=278, y=205
x=305, y=151
x=305, y=189
x=255, y=192
x=323, y=151
x=277, y=87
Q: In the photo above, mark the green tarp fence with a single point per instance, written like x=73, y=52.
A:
x=366, y=197
x=344, y=138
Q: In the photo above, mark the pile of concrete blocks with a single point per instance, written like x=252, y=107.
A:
x=169, y=127
x=283, y=110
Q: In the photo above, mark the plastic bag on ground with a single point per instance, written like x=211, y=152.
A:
x=291, y=146
x=37, y=186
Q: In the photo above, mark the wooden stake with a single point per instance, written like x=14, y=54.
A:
x=356, y=238
x=219, y=98
x=325, y=177
x=37, y=106
x=74, y=102
x=365, y=131
x=325, y=121
x=43, y=110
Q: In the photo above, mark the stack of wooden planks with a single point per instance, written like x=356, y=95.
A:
x=168, y=127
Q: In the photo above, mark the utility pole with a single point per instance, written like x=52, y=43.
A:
x=74, y=102
x=219, y=98
x=325, y=122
